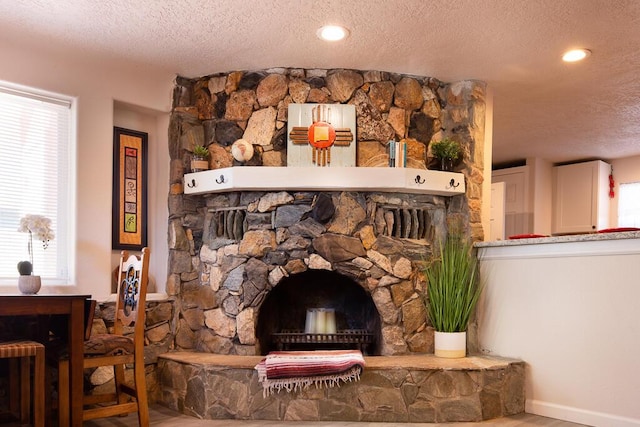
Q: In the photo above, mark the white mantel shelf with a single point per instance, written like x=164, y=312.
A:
x=265, y=178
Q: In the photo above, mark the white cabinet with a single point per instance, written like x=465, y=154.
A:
x=581, y=197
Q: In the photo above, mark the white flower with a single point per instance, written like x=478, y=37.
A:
x=38, y=226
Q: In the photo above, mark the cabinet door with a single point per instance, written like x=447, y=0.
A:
x=517, y=220
x=576, y=197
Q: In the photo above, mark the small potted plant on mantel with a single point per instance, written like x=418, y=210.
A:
x=446, y=152
x=199, y=160
x=453, y=290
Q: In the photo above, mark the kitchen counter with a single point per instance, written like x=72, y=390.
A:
x=588, y=237
x=567, y=306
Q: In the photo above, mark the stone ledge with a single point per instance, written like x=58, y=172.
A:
x=417, y=362
x=412, y=388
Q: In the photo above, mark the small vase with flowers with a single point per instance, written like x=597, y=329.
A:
x=39, y=227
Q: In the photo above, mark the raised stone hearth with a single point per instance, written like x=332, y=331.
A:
x=418, y=388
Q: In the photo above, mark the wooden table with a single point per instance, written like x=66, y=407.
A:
x=73, y=307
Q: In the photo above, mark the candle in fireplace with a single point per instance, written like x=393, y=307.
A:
x=310, y=323
x=330, y=321
x=320, y=321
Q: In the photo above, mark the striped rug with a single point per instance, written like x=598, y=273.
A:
x=296, y=370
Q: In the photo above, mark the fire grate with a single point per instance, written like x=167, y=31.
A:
x=347, y=338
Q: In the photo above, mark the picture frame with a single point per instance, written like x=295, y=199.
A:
x=129, y=197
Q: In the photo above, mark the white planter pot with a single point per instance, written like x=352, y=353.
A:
x=450, y=344
x=29, y=285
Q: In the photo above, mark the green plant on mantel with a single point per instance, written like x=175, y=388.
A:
x=200, y=151
x=453, y=286
x=446, y=148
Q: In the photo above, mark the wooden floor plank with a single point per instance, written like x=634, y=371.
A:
x=164, y=417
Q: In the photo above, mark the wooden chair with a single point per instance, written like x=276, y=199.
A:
x=117, y=349
x=58, y=354
x=23, y=351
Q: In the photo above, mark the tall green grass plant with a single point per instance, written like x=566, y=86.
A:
x=453, y=286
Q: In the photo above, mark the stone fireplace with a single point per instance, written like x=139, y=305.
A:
x=291, y=255
x=246, y=265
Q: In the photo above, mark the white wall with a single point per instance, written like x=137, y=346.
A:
x=155, y=125
x=96, y=85
x=569, y=310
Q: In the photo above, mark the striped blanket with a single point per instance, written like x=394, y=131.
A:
x=297, y=370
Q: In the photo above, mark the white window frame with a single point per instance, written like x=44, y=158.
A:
x=61, y=251
x=629, y=204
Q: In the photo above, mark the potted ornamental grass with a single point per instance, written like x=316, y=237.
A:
x=446, y=152
x=453, y=290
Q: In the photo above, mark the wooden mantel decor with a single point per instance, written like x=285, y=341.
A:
x=321, y=135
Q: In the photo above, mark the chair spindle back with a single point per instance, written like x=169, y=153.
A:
x=132, y=290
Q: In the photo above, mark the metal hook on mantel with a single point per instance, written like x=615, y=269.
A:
x=453, y=183
x=220, y=180
x=192, y=184
x=419, y=180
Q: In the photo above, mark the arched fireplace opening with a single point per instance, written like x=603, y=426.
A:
x=283, y=314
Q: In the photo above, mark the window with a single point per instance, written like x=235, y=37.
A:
x=629, y=205
x=36, y=149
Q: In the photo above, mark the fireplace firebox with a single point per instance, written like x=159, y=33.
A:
x=283, y=314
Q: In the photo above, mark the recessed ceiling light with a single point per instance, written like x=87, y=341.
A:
x=332, y=33
x=575, y=55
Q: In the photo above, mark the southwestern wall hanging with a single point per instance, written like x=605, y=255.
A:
x=321, y=135
x=129, y=205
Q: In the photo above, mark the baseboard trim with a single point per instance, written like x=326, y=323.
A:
x=577, y=415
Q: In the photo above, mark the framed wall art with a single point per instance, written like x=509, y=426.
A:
x=129, y=205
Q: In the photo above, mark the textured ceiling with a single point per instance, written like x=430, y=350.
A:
x=542, y=107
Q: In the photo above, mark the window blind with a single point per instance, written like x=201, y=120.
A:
x=35, y=146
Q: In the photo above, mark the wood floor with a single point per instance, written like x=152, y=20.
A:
x=163, y=417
